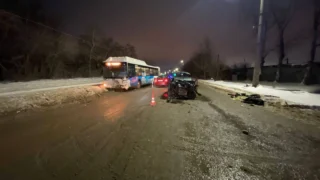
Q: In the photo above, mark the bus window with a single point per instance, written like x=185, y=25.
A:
x=143, y=71
x=139, y=71
x=154, y=73
x=131, y=70
x=147, y=70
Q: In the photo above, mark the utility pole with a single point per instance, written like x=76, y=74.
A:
x=260, y=45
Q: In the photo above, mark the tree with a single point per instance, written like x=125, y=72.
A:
x=289, y=43
x=32, y=49
x=25, y=43
x=314, y=43
x=282, y=12
x=92, y=46
x=204, y=63
x=131, y=51
x=203, y=58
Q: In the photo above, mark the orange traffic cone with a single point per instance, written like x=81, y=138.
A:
x=153, y=102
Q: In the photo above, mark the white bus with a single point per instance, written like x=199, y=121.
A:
x=127, y=72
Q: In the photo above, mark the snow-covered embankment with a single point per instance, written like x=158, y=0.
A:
x=20, y=96
x=288, y=95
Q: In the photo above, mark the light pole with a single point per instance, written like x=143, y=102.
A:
x=260, y=44
x=182, y=64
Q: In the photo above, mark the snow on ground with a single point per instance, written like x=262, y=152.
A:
x=19, y=96
x=26, y=101
x=14, y=88
x=291, y=94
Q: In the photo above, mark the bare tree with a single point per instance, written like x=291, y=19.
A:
x=203, y=58
x=282, y=12
x=130, y=51
x=218, y=66
x=91, y=51
x=289, y=43
x=314, y=43
x=204, y=63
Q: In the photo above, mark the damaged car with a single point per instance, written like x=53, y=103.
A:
x=182, y=86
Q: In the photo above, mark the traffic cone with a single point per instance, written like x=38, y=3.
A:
x=153, y=102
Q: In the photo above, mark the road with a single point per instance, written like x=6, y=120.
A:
x=120, y=136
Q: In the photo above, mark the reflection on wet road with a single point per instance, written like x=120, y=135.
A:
x=116, y=110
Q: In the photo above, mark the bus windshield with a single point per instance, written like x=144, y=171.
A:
x=115, y=70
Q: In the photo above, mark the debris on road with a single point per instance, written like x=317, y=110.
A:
x=164, y=95
x=245, y=132
x=254, y=99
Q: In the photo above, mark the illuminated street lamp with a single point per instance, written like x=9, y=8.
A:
x=181, y=61
x=177, y=69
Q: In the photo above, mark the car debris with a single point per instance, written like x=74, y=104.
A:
x=253, y=99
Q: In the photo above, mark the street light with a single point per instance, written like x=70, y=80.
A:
x=181, y=61
x=177, y=69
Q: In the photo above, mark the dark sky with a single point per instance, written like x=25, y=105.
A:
x=170, y=30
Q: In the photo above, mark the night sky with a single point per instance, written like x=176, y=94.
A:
x=167, y=31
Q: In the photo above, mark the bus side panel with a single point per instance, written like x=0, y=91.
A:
x=146, y=79
x=149, y=79
x=134, y=81
x=143, y=80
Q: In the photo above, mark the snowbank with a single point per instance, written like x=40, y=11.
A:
x=290, y=96
x=14, y=88
x=22, y=102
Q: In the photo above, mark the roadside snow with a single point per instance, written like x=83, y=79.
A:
x=14, y=88
x=22, y=102
x=292, y=96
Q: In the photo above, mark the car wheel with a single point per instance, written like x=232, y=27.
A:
x=192, y=95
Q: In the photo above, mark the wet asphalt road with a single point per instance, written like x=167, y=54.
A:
x=119, y=136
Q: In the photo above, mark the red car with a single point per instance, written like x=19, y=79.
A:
x=161, y=81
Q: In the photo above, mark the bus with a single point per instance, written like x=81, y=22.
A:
x=127, y=72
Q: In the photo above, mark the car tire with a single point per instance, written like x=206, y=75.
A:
x=192, y=95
